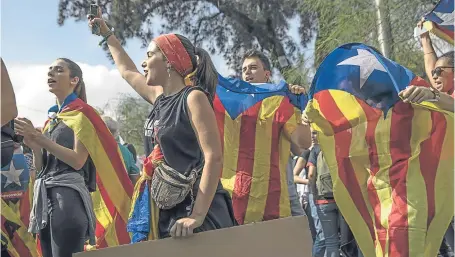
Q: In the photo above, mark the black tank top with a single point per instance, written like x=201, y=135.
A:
x=172, y=130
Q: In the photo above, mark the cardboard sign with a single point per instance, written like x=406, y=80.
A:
x=284, y=237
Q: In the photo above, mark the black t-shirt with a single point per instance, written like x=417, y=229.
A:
x=169, y=125
x=313, y=158
x=64, y=136
x=312, y=161
x=148, y=131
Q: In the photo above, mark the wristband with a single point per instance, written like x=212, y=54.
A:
x=436, y=93
x=105, y=37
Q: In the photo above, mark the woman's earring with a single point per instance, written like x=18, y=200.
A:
x=169, y=70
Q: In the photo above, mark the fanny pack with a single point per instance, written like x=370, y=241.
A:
x=169, y=187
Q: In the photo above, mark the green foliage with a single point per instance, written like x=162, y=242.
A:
x=130, y=113
x=226, y=27
x=346, y=21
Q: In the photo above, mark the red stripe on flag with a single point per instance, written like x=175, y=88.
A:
x=400, y=151
x=245, y=162
x=99, y=231
x=373, y=116
x=38, y=246
x=102, y=244
x=448, y=32
x=16, y=241
x=100, y=236
x=343, y=138
x=107, y=140
x=281, y=116
x=122, y=234
x=120, y=224
x=220, y=115
x=104, y=195
x=24, y=207
x=429, y=158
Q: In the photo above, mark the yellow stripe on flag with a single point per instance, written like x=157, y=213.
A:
x=416, y=194
x=22, y=231
x=76, y=121
x=284, y=154
x=10, y=246
x=261, y=167
x=381, y=181
x=103, y=217
x=433, y=29
x=358, y=150
x=444, y=191
x=342, y=196
x=284, y=151
x=231, y=151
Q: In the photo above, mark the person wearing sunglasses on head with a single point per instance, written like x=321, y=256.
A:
x=440, y=72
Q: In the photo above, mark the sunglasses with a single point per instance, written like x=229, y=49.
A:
x=438, y=70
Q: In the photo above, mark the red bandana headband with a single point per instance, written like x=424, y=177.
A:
x=175, y=53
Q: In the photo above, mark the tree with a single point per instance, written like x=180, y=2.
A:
x=130, y=113
x=345, y=21
x=227, y=27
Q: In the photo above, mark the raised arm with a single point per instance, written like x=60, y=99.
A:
x=8, y=105
x=429, y=55
x=126, y=66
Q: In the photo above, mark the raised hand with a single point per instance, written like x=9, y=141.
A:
x=100, y=21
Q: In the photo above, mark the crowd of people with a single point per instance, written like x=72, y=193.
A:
x=200, y=177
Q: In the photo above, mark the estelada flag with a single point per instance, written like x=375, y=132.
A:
x=14, y=225
x=440, y=20
x=392, y=163
x=253, y=121
x=112, y=199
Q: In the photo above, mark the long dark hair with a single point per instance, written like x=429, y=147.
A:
x=449, y=57
x=75, y=71
x=206, y=76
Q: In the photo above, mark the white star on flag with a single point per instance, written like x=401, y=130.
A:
x=367, y=63
x=12, y=175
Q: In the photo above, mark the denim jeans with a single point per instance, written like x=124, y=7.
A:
x=319, y=241
x=307, y=209
x=329, y=216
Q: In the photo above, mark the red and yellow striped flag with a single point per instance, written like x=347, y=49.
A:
x=392, y=163
x=112, y=199
x=256, y=152
x=14, y=223
x=393, y=175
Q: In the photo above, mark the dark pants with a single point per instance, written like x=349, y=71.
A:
x=447, y=246
x=5, y=253
x=66, y=231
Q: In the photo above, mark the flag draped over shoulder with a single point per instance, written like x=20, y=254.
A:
x=144, y=214
x=440, y=20
x=392, y=163
x=252, y=120
x=112, y=199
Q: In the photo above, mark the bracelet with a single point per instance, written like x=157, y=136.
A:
x=105, y=37
x=436, y=93
x=429, y=53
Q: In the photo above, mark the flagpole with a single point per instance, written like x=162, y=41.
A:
x=383, y=26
